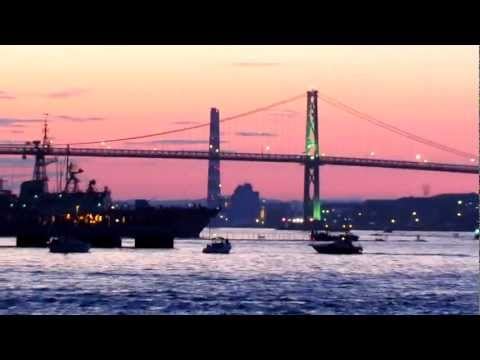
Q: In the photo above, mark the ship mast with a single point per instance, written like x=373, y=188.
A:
x=40, y=166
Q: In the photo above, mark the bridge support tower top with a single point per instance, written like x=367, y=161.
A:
x=311, y=193
x=214, y=193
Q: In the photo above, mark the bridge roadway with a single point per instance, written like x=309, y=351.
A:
x=6, y=149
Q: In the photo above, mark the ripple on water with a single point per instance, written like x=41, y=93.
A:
x=404, y=277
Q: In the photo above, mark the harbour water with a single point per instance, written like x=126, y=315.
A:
x=280, y=274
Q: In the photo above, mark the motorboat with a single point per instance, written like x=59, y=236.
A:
x=219, y=245
x=338, y=247
x=325, y=236
x=379, y=239
x=64, y=245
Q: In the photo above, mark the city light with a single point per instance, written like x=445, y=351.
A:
x=372, y=153
x=414, y=213
x=359, y=214
x=459, y=214
x=418, y=156
x=267, y=148
x=392, y=221
x=472, y=160
x=459, y=202
x=417, y=219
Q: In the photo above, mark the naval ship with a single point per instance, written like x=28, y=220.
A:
x=36, y=215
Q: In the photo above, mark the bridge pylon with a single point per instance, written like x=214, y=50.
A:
x=214, y=193
x=311, y=192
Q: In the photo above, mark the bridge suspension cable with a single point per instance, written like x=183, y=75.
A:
x=206, y=124
x=338, y=104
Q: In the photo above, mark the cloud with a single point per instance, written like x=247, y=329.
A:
x=255, y=64
x=66, y=93
x=15, y=122
x=254, y=133
x=79, y=119
x=16, y=162
x=5, y=96
x=185, y=122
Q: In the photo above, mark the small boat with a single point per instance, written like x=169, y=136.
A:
x=379, y=239
x=260, y=237
x=64, y=245
x=338, y=247
x=218, y=245
x=325, y=236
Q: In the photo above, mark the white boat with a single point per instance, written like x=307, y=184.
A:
x=65, y=245
x=218, y=245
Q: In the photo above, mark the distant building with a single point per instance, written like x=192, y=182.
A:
x=244, y=206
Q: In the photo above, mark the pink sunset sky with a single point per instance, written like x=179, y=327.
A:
x=103, y=92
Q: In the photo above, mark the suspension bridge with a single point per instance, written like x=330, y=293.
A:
x=311, y=159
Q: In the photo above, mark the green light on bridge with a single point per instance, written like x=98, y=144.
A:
x=317, y=211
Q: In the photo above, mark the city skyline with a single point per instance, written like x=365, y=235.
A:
x=94, y=92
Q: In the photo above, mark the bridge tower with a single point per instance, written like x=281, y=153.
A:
x=311, y=193
x=214, y=186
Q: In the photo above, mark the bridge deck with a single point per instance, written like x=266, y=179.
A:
x=236, y=156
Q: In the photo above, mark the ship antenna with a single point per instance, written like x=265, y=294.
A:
x=45, y=130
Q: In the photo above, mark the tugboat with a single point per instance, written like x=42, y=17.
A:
x=219, y=245
x=341, y=246
x=65, y=244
